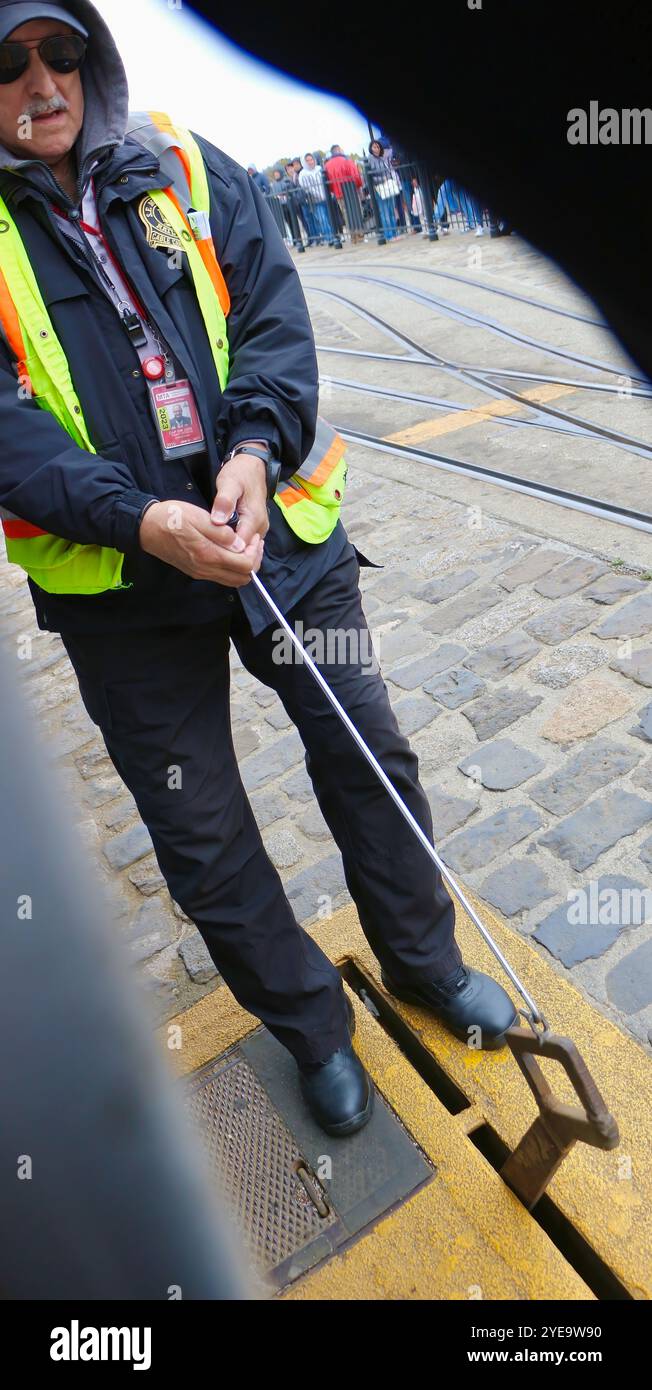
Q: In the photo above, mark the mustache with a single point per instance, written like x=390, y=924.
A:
x=44, y=108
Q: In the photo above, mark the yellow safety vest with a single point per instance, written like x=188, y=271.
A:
x=310, y=501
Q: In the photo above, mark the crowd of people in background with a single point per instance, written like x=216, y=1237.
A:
x=319, y=198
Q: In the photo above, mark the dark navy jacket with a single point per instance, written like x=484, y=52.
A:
x=272, y=393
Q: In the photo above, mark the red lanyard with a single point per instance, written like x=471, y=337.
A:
x=155, y=366
x=97, y=232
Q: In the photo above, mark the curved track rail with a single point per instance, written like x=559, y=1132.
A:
x=477, y=320
x=490, y=289
x=482, y=382
x=607, y=511
x=509, y=372
x=482, y=321
x=450, y=407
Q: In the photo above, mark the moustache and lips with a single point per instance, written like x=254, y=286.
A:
x=46, y=113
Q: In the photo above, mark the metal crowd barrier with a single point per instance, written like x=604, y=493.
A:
x=401, y=200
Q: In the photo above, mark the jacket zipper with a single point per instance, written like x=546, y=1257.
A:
x=133, y=169
x=75, y=204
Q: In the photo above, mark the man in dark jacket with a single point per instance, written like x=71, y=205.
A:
x=261, y=180
x=284, y=196
x=152, y=658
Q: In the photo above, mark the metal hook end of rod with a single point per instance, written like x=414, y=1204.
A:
x=537, y=1022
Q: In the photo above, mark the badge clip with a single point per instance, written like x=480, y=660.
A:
x=134, y=328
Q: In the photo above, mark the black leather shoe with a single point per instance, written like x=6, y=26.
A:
x=338, y=1092
x=466, y=999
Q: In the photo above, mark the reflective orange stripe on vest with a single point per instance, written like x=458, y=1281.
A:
x=311, y=499
x=324, y=457
x=10, y=324
x=13, y=527
x=205, y=244
x=206, y=248
x=16, y=530
x=162, y=122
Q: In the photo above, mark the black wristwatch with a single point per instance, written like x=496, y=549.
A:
x=272, y=464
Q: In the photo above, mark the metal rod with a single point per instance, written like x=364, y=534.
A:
x=537, y=1017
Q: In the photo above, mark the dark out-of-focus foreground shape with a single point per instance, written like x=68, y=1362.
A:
x=484, y=95
x=117, y=1205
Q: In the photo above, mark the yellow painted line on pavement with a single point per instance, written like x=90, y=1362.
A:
x=475, y=415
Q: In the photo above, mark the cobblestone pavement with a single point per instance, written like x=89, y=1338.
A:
x=522, y=674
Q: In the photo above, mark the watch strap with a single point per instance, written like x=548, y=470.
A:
x=262, y=451
x=271, y=462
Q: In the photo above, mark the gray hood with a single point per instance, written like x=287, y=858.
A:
x=106, y=92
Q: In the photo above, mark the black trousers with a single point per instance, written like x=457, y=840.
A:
x=161, y=700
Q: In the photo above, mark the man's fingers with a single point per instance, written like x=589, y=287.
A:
x=183, y=536
x=226, y=566
x=222, y=536
x=253, y=523
x=226, y=500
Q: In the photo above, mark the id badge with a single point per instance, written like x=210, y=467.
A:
x=177, y=418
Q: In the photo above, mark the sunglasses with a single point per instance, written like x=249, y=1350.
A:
x=62, y=52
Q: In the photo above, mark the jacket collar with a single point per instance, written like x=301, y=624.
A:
x=129, y=162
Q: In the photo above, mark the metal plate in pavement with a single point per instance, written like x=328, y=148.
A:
x=297, y=1195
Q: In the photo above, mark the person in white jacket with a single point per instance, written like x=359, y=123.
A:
x=311, y=179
